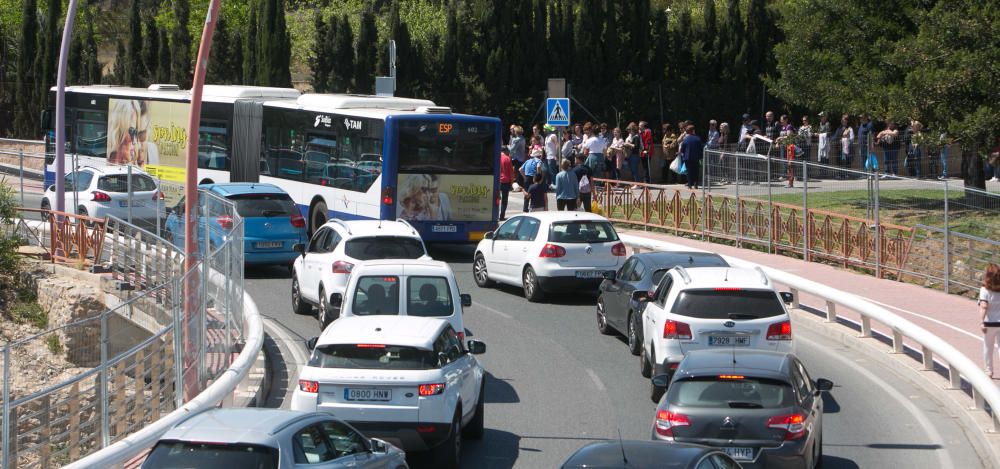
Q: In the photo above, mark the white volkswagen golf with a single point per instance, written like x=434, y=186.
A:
x=548, y=251
x=407, y=380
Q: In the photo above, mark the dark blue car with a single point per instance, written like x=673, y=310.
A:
x=272, y=222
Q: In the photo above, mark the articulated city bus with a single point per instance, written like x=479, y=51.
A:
x=344, y=156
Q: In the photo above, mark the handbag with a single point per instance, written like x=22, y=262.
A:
x=684, y=169
x=675, y=165
x=584, y=185
x=871, y=164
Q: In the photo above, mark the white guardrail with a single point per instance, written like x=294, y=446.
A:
x=983, y=388
x=117, y=454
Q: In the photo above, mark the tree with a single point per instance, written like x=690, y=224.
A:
x=92, y=65
x=150, y=49
x=343, y=69
x=708, y=41
x=251, y=50
x=49, y=54
x=121, y=67
x=392, y=23
x=449, y=55
x=163, y=57
x=364, y=69
x=75, y=71
x=24, y=92
x=274, y=48
x=180, y=46
x=223, y=64
x=321, y=61
x=134, y=70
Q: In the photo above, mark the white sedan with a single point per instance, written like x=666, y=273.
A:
x=548, y=251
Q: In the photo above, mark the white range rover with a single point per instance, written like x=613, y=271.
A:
x=407, y=380
x=709, y=308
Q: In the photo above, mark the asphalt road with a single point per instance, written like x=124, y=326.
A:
x=555, y=383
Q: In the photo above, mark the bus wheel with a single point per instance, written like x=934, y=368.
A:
x=318, y=217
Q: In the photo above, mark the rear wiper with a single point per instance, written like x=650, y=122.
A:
x=272, y=213
x=742, y=316
x=744, y=405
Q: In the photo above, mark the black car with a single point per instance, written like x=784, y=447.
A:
x=629, y=454
x=760, y=407
x=622, y=291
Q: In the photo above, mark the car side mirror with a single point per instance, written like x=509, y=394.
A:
x=824, y=384
x=610, y=275
x=661, y=381
x=51, y=187
x=652, y=294
x=466, y=299
x=488, y=235
x=476, y=347
x=787, y=297
x=311, y=343
x=377, y=446
x=299, y=248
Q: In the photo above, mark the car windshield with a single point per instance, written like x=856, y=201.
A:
x=180, y=454
x=384, y=247
x=119, y=183
x=376, y=294
x=264, y=205
x=726, y=303
x=372, y=357
x=428, y=296
x=747, y=393
x=590, y=231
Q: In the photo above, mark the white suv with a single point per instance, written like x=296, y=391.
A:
x=407, y=380
x=406, y=287
x=100, y=192
x=708, y=308
x=319, y=274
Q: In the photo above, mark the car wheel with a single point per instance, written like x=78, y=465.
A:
x=82, y=211
x=531, y=289
x=298, y=306
x=602, y=318
x=634, y=340
x=317, y=218
x=645, y=368
x=480, y=273
x=449, y=453
x=46, y=206
x=475, y=429
x=324, y=310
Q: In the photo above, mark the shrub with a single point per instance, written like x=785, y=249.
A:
x=55, y=347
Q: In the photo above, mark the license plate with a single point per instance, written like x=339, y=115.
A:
x=736, y=340
x=444, y=229
x=740, y=454
x=268, y=244
x=589, y=274
x=135, y=203
x=379, y=395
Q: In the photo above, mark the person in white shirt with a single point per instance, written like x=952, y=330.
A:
x=989, y=309
x=551, y=155
x=593, y=146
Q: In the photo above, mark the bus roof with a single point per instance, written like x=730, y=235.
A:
x=213, y=93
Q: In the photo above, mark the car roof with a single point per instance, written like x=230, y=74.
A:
x=757, y=363
x=409, y=331
x=114, y=169
x=609, y=454
x=241, y=188
x=734, y=277
x=681, y=258
x=558, y=216
x=400, y=267
x=236, y=425
x=365, y=228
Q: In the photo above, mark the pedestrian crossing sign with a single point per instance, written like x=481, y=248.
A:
x=557, y=110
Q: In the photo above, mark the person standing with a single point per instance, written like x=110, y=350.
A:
x=534, y=195
x=506, y=180
x=914, y=148
x=583, y=175
x=691, y=152
x=529, y=170
x=593, y=147
x=646, y=153
x=568, y=150
x=805, y=137
x=745, y=128
x=517, y=153
x=865, y=134
x=551, y=153
x=616, y=155
x=712, y=140
x=823, y=153
x=669, y=145
x=567, y=188
x=989, y=310
x=888, y=139
x=633, y=148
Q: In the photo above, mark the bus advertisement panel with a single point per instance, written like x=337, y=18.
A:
x=151, y=135
x=445, y=197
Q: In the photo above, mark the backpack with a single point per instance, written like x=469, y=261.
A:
x=584, y=184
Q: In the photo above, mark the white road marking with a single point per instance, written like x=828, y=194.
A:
x=944, y=459
x=935, y=321
x=596, y=379
x=487, y=308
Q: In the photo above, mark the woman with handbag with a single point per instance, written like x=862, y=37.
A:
x=888, y=139
x=669, y=146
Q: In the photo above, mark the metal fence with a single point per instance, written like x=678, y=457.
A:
x=156, y=347
x=923, y=231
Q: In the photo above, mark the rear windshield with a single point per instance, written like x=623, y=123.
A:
x=582, y=232
x=177, y=455
x=711, y=391
x=376, y=294
x=728, y=304
x=372, y=357
x=384, y=247
x=119, y=183
x=264, y=205
x=428, y=297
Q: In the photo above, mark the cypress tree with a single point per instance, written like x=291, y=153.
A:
x=120, y=68
x=407, y=62
x=163, y=57
x=320, y=62
x=393, y=21
x=449, y=55
x=539, y=41
x=235, y=57
x=24, y=92
x=274, y=46
x=94, y=73
x=730, y=40
x=180, y=46
x=150, y=49
x=364, y=69
x=250, y=56
x=49, y=40
x=709, y=39
x=343, y=69
x=133, y=61
x=222, y=69
x=757, y=30
x=75, y=71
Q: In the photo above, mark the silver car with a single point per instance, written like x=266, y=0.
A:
x=270, y=439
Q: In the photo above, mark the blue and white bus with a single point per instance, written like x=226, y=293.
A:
x=344, y=156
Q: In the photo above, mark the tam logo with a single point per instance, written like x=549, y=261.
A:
x=352, y=124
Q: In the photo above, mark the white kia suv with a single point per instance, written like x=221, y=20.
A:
x=320, y=272
x=407, y=380
x=711, y=308
x=548, y=251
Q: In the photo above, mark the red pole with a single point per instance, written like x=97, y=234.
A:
x=191, y=383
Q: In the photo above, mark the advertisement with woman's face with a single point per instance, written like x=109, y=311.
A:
x=149, y=134
x=443, y=197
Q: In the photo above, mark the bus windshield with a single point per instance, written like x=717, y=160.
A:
x=447, y=147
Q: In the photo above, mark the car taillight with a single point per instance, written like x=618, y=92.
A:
x=101, y=197
x=619, y=249
x=225, y=221
x=341, y=267
x=387, y=196
x=298, y=221
x=158, y=195
x=430, y=389
x=676, y=330
x=793, y=425
x=666, y=421
x=461, y=337
x=552, y=251
x=780, y=331
x=308, y=386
